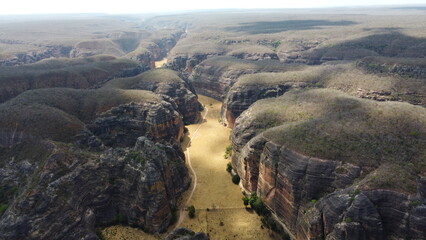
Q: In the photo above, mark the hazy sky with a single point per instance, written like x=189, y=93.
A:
x=132, y=6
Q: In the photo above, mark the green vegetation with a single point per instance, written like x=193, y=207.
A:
x=159, y=75
x=228, y=152
x=236, y=179
x=73, y=73
x=191, y=211
x=246, y=201
x=3, y=208
x=350, y=78
x=229, y=167
x=255, y=203
x=416, y=203
x=136, y=157
x=233, y=63
x=348, y=220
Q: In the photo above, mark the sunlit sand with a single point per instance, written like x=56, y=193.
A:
x=160, y=63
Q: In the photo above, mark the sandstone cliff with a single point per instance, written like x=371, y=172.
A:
x=76, y=160
x=165, y=82
x=149, y=51
x=321, y=163
x=214, y=76
x=74, y=190
x=35, y=56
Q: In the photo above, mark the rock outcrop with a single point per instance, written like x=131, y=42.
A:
x=290, y=185
x=119, y=162
x=325, y=198
x=149, y=52
x=165, y=82
x=216, y=75
x=186, y=63
x=33, y=57
x=240, y=97
x=122, y=125
x=404, y=67
x=186, y=234
x=73, y=191
x=185, y=99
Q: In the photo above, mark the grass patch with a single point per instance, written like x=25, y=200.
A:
x=228, y=153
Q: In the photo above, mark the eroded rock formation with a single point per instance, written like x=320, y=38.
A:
x=121, y=163
x=75, y=190
x=319, y=198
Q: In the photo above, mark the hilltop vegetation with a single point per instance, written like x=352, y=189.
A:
x=360, y=79
x=163, y=75
x=63, y=72
x=61, y=113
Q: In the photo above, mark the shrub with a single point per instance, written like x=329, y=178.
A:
x=348, y=220
x=228, y=152
x=229, y=167
x=135, y=157
x=413, y=203
x=258, y=206
x=191, y=211
x=245, y=201
x=3, y=208
x=236, y=179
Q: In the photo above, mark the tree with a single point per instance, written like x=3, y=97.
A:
x=191, y=211
x=246, y=201
x=229, y=167
x=236, y=179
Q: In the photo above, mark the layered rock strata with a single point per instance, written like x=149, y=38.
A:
x=165, y=82
x=241, y=97
x=74, y=190
x=116, y=162
x=332, y=198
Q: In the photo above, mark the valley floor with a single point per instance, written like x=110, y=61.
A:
x=219, y=209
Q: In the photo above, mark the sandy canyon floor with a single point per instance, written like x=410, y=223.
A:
x=219, y=208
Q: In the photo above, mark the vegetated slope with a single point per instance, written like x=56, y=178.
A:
x=73, y=160
x=332, y=165
x=166, y=82
x=71, y=73
x=382, y=79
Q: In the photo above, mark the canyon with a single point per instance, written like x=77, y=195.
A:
x=118, y=133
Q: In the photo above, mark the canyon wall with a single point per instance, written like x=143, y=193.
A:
x=118, y=161
x=324, y=198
